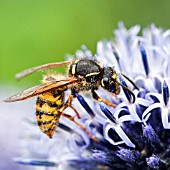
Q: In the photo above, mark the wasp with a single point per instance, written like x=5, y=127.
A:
x=50, y=101
x=83, y=75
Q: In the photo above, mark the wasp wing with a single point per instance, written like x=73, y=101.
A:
x=33, y=91
x=42, y=67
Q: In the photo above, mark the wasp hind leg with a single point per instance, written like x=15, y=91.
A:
x=81, y=126
x=95, y=96
x=68, y=104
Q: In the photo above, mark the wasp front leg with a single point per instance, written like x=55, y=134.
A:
x=95, y=96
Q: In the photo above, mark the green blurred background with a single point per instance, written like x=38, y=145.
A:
x=34, y=32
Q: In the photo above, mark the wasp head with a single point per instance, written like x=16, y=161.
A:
x=110, y=80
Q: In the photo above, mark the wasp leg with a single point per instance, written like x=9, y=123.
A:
x=81, y=126
x=77, y=113
x=68, y=104
x=95, y=96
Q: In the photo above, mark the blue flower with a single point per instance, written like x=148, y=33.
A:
x=132, y=135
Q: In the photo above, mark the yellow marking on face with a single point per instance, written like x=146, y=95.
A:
x=114, y=76
x=102, y=83
x=92, y=74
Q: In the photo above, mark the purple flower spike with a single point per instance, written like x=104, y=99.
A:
x=115, y=54
x=99, y=155
x=64, y=127
x=128, y=95
x=128, y=155
x=37, y=162
x=154, y=162
x=144, y=59
x=165, y=91
x=152, y=138
x=84, y=104
x=107, y=113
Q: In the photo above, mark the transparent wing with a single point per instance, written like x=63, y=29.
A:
x=33, y=91
x=42, y=67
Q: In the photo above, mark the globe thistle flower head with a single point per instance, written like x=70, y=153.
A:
x=133, y=135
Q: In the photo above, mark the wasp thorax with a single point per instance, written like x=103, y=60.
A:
x=89, y=69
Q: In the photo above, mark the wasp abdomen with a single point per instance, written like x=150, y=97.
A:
x=47, y=113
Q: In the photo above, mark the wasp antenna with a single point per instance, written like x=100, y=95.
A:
x=41, y=67
x=126, y=88
x=130, y=81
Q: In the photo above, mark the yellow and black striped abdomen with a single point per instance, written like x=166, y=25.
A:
x=47, y=107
